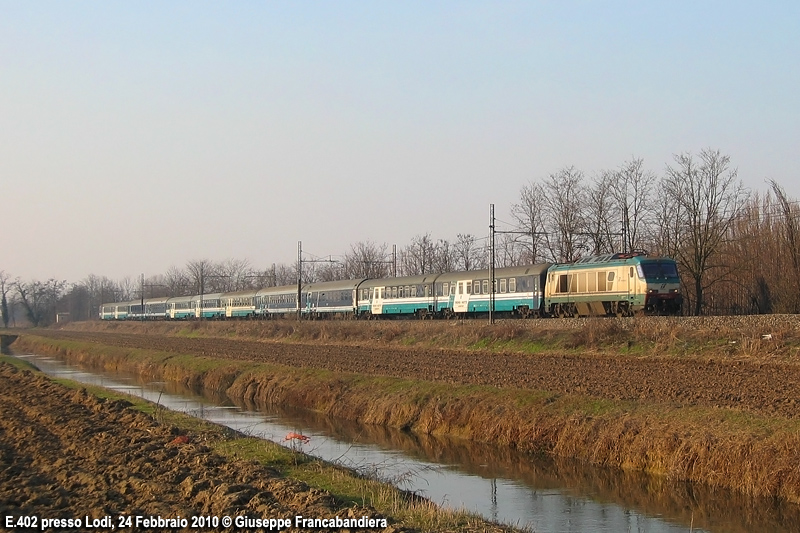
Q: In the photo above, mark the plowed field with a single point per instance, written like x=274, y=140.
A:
x=66, y=454
x=771, y=389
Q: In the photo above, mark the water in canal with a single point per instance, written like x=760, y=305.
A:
x=543, y=494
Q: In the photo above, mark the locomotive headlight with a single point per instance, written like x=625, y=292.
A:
x=652, y=291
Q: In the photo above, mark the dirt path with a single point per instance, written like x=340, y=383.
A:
x=66, y=454
x=772, y=389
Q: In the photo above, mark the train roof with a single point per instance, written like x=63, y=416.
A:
x=158, y=300
x=611, y=259
x=402, y=280
x=236, y=294
x=348, y=284
x=282, y=289
x=129, y=302
x=177, y=299
x=503, y=272
x=208, y=296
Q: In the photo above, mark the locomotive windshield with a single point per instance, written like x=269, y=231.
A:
x=658, y=271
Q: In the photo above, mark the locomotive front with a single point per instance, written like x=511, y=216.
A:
x=663, y=286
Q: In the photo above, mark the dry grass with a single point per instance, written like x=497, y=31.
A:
x=768, y=337
x=751, y=454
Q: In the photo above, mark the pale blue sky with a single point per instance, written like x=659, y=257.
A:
x=139, y=135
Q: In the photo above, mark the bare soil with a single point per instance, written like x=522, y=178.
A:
x=767, y=388
x=68, y=454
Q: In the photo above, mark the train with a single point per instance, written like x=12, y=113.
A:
x=619, y=284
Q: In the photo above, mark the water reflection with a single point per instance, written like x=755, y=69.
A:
x=544, y=493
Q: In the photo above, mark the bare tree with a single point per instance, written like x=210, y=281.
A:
x=128, y=288
x=100, y=290
x=466, y=252
x=710, y=199
x=418, y=257
x=234, y=274
x=668, y=226
x=791, y=233
x=509, y=251
x=443, y=256
x=530, y=219
x=177, y=281
x=39, y=299
x=5, y=287
x=367, y=260
x=563, y=203
x=601, y=214
x=631, y=190
x=202, y=276
x=330, y=271
x=284, y=274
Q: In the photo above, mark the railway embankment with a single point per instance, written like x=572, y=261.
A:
x=718, y=405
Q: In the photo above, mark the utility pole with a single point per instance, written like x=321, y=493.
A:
x=141, y=316
x=491, y=264
x=492, y=232
x=300, y=274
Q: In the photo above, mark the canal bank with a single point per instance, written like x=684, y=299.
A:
x=745, y=452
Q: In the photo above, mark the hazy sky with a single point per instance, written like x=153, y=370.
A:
x=135, y=136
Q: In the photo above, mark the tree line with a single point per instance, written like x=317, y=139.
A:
x=738, y=251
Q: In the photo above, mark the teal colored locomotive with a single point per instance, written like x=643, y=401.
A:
x=613, y=285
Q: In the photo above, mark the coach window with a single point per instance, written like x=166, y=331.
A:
x=452, y=289
x=512, y=284
x=503, y=285
x=486, y=286
x=408, y=291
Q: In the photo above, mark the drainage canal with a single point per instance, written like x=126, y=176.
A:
x=544, y=494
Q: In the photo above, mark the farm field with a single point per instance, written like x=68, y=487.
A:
x=69, y=454
x=714, y=401
x=722, y=364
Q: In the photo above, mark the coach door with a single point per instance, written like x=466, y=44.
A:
x=377, y=300
x=461, y=300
